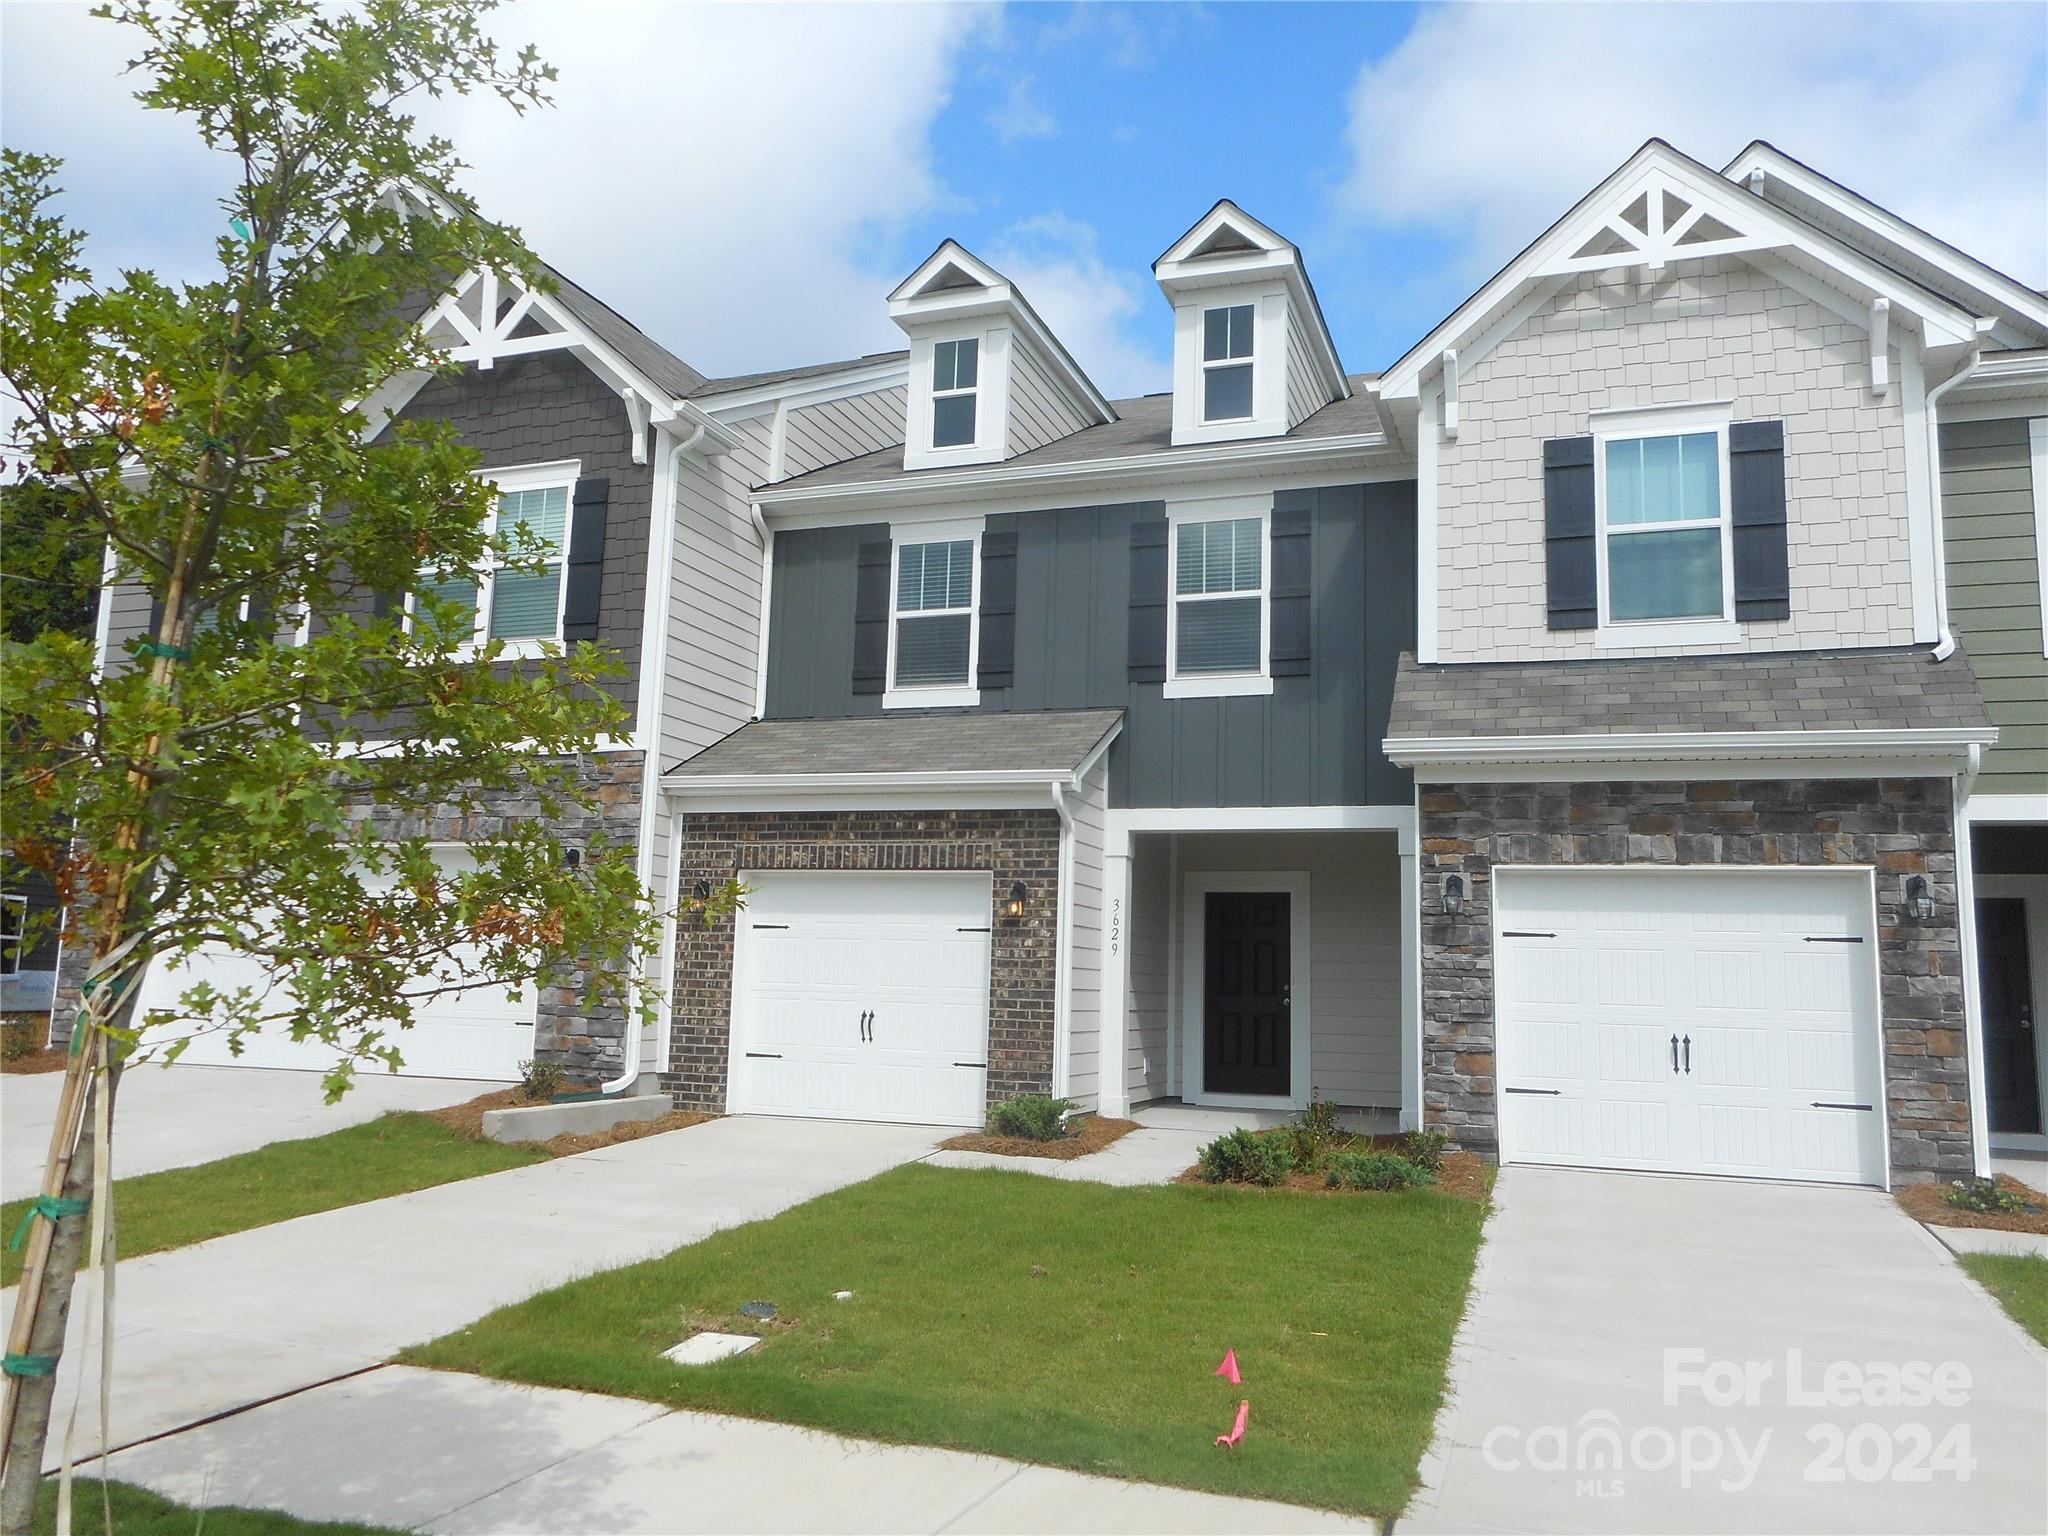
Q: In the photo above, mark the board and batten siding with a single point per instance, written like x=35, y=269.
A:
x=1039, y=410
x=1087, y=808
x=1989, y=523
x=1354, y=952
x=1314, y=740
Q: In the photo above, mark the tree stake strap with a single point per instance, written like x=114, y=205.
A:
x=30, y=1365
x=52, y=1208
x=158, y=648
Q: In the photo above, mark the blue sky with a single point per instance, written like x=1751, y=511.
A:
x=747, y=182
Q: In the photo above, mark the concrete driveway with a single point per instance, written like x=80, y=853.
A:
x=217, y=1327
x=172, y=1117
x=1650, y=1354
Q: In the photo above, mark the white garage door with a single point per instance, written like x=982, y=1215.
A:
x=862, y=997
x=479, y=1032
x=1695, y=1023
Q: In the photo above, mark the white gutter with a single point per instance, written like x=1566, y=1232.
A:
x=648, y=731
x=713, y=784
x=1428, y=751
x=1973, y=1002
x=1062, y=947
x=1946, y=642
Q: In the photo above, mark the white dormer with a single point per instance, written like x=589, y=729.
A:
x=1251, y=354
x=988, y=381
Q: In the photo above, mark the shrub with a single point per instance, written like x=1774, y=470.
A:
x=539, y=1081
x=1986, y=1196
x=1425, y=1149
x=1309, y=1138
x=23, y=1034
x=1374, y=1170
x=1243, y=1157
x=1032, y=1116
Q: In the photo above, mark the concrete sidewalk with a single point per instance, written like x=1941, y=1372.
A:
x=461, y=1454
x=173, y=1117
x=222, y=1325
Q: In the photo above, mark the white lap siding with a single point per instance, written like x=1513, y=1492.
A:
x=1084, y=931
x=1147, y=1048
x=1354, y=950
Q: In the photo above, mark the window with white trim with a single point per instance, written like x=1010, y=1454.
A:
x=931, y=640
x=1227, y=363
x=13, y=926
x=956, y=374
x=1665, y=528
x=1218, y=628
x=519, y=606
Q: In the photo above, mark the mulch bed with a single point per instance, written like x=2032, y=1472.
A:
x=1464, y=1175
x=467, y=1120
x=49, y=1059
x=1091, y=1134
x=1925, y=1203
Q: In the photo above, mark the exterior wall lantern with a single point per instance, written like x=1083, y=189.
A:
x=1919, y=900
x=1015, y=905
x=701, y=890
x=1454, y=894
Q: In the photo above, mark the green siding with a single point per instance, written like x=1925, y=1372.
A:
x=1994, y=592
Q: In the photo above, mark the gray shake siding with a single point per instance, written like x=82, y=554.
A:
x=1313, y=741
x=1994, y=592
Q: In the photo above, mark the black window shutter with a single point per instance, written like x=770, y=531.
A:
x=156, y=617
x=1288, y=643
x=1756, y=492
x=1148, y=601
x=381, y=604
x=1571, y=578
x=583, y=575
x=871, y=619
x=995, y=667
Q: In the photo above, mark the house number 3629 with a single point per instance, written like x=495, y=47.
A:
x=1116, y=925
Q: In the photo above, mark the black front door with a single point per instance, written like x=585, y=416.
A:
x=2012, y=1088
x=1246, y=998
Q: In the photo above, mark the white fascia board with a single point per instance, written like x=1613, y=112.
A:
x=1887, y=225
x=1120, y=825
x=2026, y=810
x=814, y=389
x=709, y=786
x=1262, y=456
x=1650, y=746
x=719, y=438
x=1942, y=322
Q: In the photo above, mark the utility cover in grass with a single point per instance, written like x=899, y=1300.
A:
x=1072, y=1324
x=709, y=1348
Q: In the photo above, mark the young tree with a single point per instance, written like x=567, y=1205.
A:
x=213, y=786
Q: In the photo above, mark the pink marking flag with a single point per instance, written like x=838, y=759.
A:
x=1237, y=1430
x=1228, y=1369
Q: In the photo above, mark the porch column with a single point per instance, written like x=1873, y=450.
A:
x=1115, y=1092
x=1973, y=1002
x=1411, y=986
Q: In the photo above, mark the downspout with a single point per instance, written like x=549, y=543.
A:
x=1062, y=949
x=1946, y=643
x=650, y=782
x=1966, y=927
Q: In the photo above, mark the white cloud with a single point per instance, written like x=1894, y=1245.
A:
x=1055, y=260
x=1487, y=122
x=735, y=179
x=1020, y=115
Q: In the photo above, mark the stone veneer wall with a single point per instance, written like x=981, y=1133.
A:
x=573, y=1027
x=1900, y=826
x=1011, y=845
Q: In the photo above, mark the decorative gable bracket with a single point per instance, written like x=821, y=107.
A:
x=1661, y=224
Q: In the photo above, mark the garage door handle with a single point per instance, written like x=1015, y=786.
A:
x=863, y=1023
x=1688, y=1055
x=1817, y=1104
x=1674, y=1053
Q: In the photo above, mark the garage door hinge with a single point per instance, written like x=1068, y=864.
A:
x=1824, y=938
x=771, y=925
x=765, y=1055
x=1525, y=933
x=1552, y=1092
x=970, y=930
x=970, y=1064
x=1817, y=1104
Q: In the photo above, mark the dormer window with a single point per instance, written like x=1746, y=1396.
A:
x=1227, y=363
x=956, y=367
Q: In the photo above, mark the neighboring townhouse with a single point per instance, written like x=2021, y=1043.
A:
x=636, y=469
x=1616, y=734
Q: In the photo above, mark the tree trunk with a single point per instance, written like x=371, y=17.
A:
x=36, y=1394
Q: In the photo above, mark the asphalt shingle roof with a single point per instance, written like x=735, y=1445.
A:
x=1054, y=741
x=790, y=375
x=1144, y=425
x=661, y=366
x=1903, y=689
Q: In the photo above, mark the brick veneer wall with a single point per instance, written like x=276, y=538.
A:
x=1011, y=845
x=1901, y=826
x=573, y=1027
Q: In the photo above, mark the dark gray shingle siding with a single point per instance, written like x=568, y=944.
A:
x=1803, y=690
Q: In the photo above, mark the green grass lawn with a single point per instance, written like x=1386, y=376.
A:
x=1066, y=1323
x=390, y=1155
x=138, y=1512
x=2019, y=1282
